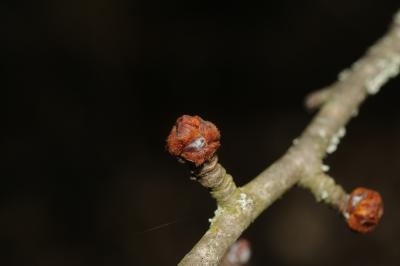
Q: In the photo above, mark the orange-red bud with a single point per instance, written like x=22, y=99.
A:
x=193, y=139
x=364, y=210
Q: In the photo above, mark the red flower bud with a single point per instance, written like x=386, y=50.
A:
x=364, y=210
x=193, y=139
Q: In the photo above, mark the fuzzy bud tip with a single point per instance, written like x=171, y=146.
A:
x=193, y=139
x=364, y=210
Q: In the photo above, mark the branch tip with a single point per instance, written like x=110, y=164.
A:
x=195, y=141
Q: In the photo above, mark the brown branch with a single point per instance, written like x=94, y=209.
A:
x=303, y=161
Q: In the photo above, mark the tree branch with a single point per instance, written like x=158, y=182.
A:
x=324, y=189
x=303, y=161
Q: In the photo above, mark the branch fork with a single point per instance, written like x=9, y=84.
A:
x=195, y=141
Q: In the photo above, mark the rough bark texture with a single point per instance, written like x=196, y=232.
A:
x=303, y=161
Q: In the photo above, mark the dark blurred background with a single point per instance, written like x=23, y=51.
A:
x=91, y=88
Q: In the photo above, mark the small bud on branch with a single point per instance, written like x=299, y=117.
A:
x=193, y=139
x=196, y=141
x=364, y=210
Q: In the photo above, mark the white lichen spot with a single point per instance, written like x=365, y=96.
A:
x=331, y=149
x=245, y=202
x=344, y=74
x=342, y=132
x=388, y=69
x=373, y=86
x=324, y=195
x=333, y=144
x=335, y=140
x=295, y=141
x=325, y=168
x=217, y=213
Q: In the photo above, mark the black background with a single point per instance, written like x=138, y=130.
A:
x=90, y=91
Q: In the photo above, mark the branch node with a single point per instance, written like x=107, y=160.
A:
x=317, y=98
x=213, y=176
x=324, y=189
